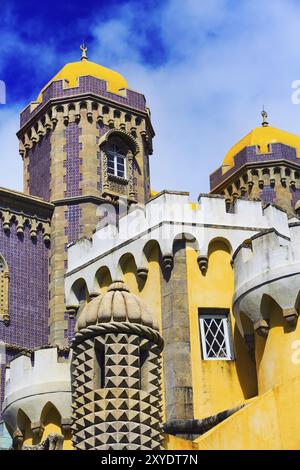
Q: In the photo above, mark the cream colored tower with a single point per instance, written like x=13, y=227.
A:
x=84, y=142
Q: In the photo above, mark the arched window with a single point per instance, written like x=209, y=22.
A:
x=4, y=285
x=116, y=159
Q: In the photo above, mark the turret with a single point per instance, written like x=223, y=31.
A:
x=266, y=303
x=262, y=165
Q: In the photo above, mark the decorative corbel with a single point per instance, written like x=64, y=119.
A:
x=20, y=225
x=142, y=273
x=168, y=262
x=203, y=263
x=262, y=328
x=6, y=221
x=33, y=229
x=66, y=424
x=72, y=310
x=291, y=316
x=37, y=429
x=54, y=116
x=34, y=136
x=48, y=124
x=41, y=130
x=17, y=440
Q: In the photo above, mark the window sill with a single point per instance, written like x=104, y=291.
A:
x=117, y=179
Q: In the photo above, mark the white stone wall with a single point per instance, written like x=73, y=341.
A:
x=30, y=387
x=271, y=266
x=165, y=218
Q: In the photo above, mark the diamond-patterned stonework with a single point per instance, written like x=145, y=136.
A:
x=125, y=412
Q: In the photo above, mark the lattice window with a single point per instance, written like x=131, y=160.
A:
x=4, y=285
x=215, y=332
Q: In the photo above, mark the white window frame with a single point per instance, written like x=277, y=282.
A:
x=114, y=154
x=225, y=317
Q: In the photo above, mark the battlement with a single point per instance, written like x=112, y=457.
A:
x=266, y=254
x=166, y=218
x=267, y=267
x=30, y=382
x=252, y=155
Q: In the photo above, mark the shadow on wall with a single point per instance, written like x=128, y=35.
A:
x=245, y=358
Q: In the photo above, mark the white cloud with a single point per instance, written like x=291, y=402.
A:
x=225, y=59
x=222, y=60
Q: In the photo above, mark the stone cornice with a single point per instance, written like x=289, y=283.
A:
x=83, y=96
x=24, y=204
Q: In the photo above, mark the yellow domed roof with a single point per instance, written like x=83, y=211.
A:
x=74, y=70
x=262, y=137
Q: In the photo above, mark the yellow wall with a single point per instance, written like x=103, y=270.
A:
x=217, y=385
x=269, y=422
x=176, y=443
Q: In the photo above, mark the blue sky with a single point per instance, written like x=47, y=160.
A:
x=205, y=66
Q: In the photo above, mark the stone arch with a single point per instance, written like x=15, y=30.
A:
x=103, y=279
x=149, y=246
x=222, y=243
x=188, y=238
x=4, y=290
x=79, y=293
x=130, y=141
x=50, y=420
x=24, y=427
x=128, y=268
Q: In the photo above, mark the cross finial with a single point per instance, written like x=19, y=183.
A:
x=264, y=116
x=84, y=49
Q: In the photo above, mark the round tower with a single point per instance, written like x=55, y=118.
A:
x=37, y=402
x=116, y=377
x=267, y=301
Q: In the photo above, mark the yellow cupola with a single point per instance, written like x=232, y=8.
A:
x=262, y=137
x=72, y=71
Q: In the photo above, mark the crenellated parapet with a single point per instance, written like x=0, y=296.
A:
x=268, y=265
x=164, y=220
x=274, y=177
x=59, y=89
x=23, y=211
x=105, y=116
x=32, y=383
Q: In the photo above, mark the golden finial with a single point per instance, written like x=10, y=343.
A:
x=84, y=49
x=264, y=116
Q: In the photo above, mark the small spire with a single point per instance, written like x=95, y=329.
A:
x=84, y=49
x=264, y=116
